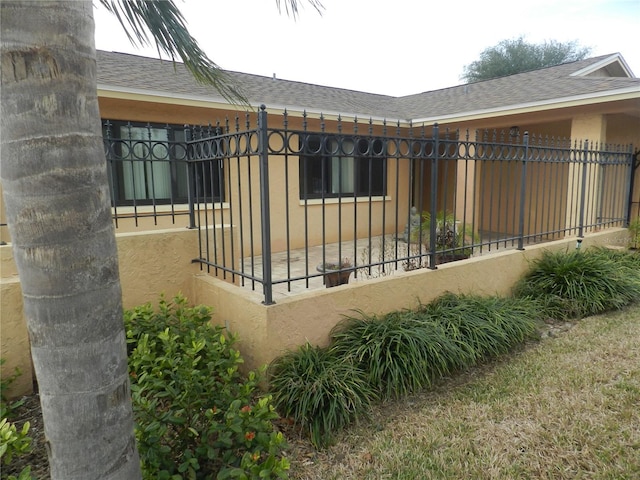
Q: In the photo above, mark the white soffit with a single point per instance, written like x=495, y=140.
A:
x=616, y=58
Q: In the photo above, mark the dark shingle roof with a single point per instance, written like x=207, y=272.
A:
x=153, y=76
x=536, y=86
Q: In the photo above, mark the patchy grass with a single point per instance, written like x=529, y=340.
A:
x=563, y=408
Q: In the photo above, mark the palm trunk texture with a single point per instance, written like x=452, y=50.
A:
x=56, y=197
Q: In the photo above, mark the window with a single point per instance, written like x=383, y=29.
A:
x=339, y=166
x=148, y=165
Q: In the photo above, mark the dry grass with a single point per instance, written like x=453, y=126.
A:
x=567, y=407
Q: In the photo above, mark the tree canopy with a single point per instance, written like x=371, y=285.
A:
x=517, y=55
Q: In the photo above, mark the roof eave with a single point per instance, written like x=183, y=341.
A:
x=213, y=101
x=529, y=107
x=603, y=63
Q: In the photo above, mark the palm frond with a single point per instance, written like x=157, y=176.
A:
x=291, y=6
x=163, y=24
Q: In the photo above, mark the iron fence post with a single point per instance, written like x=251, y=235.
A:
x=583, y=191
x=634, y=163
x=190, y=178
x=433, y=208
x=523, y=190
x=263, y=152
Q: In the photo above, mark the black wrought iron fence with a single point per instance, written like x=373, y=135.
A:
x=149, y=175
x=272, y=203
x=376, y=198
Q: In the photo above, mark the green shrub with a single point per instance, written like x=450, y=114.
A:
x=634, y=234
x=484, y=327
x=371, y=358
x=320, y=392
x=576, y=284
x=6, y=406
x=13, y=442
x=196, y=415
x=399, y=354
x=625, y=259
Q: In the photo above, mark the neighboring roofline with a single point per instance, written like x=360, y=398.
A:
x=107, y=91
x=603, y=63
x=554, y=103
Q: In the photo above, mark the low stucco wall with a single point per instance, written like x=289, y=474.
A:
x=266, y=332
x=151, y=263
x=14, y=340
x=158, y=262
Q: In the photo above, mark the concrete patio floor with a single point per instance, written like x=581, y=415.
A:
x=299, y=264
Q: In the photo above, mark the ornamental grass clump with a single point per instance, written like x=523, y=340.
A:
x=629, y=260
x=196, y=415
x=319, y=391
x=483, y=327
x=391, y=356
x=399, y=354
x=577, y=284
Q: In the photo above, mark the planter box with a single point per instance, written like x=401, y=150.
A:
x=333, y=276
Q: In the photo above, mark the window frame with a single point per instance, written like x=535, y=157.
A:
x=176, y=158
x=321, y=153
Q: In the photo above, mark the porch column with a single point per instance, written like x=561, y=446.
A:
x=465, y=191
x=593, y=128
x=467, y=203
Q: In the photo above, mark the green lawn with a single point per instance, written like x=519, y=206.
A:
x=566, y=407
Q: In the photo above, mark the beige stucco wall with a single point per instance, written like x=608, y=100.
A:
x=14, y=340
x=151, y=263
x=266, y=332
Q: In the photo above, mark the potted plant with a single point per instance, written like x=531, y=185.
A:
x=453, y=238
x=634, y=234
x=335, y=273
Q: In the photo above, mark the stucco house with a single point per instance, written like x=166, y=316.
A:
x=541, y=156
x=596, y=99
x=562, y=100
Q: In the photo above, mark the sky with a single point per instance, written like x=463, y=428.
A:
x=397, y=47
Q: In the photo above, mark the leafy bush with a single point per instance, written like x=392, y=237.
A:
x=451, y=234
x=319, y=391
x=13, y=442
x=576, y=284
x=196, y=415
x=634, y=233
x=7, y=407
x=399, y=354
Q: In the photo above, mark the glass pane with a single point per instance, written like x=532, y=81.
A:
x=342, y=171
x=144, y=176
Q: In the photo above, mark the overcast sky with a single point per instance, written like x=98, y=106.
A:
x=396, y=47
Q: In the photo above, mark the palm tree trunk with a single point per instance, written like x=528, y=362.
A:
x=57, y=204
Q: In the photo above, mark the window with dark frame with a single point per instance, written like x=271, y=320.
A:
x=148, y=165
x=333, y=166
